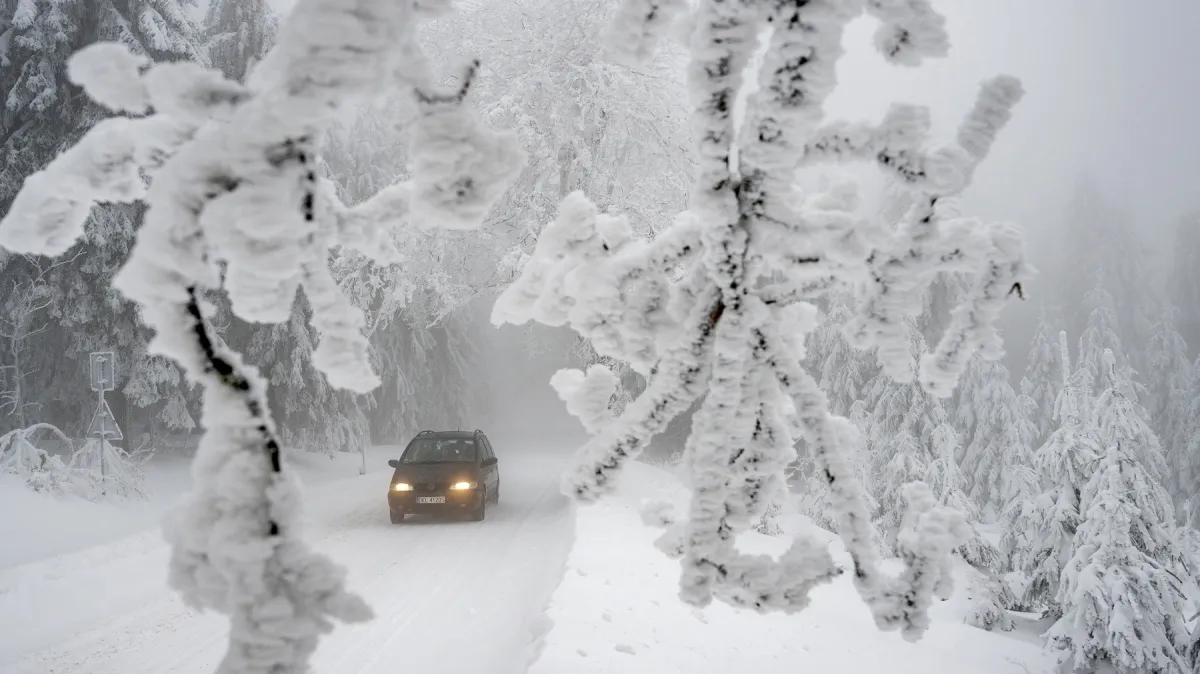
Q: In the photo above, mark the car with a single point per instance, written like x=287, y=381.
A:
x=444, y=473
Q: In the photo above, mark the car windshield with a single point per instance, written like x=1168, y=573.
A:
x=440, y=450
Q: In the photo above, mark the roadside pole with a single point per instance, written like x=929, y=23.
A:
x=103, y=377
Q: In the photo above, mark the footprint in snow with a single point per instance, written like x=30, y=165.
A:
x=625, y=648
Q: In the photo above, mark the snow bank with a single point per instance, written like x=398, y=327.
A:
x=40, y=525
x=97, y=561
x=616, y=611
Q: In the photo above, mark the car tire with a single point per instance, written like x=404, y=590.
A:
x=479, y=513
x=397, y=516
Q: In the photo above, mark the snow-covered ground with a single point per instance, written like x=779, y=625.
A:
x=486, y=598
x=448, y=596
x=63, y=525
x=616, y=612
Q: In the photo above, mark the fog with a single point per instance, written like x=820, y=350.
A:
x=1110, y=97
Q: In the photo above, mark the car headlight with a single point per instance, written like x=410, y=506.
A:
x=463, y=486
x=402, y=486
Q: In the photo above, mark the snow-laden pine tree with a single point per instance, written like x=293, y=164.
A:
x=1042, y=370
x=909, y=437
x=755, y=253
x=616, y=132
x=1169, y=381
x=996, y=441
x=1040, y=530
x=238, y=34
x=845, y=371
x=1122, y=593
x=235, y=202
x=1122, y=421
x=900, y=441
x=1101, y=333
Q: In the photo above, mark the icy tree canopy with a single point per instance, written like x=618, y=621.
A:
x=754, y=253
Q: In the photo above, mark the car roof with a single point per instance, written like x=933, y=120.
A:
x=460, y=435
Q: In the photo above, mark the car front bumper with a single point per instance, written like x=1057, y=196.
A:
x=456, y=501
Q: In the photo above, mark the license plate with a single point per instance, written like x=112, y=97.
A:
x=431, y=499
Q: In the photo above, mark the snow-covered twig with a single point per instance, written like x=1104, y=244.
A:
x=731, y=328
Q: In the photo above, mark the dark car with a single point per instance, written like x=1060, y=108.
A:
x=444, y=473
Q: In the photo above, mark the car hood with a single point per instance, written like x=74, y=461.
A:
x=435, y=472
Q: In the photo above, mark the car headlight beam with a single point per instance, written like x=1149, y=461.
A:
x=402, y=486
x=463, y=486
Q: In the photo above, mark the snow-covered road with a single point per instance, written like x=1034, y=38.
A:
x=464, y=597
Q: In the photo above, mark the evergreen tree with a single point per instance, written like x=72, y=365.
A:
x=1170, y=384
x=996, y=441
x=1101, y=333
x=237, y=34
x=1121, y=421
x=910, y=438
x=1189, y=461
x=1121, y=592
x=843, y=369
x=1042, y=372
x=1041, y=529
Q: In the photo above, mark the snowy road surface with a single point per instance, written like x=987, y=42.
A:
x=466, y=597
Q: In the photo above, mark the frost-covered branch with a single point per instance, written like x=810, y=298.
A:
x=718, y=307
x=235, y=202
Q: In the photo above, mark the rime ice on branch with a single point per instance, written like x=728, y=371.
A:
x=234, y=201
x=731, y=328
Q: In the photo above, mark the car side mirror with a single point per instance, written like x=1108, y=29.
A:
x=491, y=461
x=394, y=463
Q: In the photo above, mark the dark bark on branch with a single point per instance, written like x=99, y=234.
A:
x=223, y=371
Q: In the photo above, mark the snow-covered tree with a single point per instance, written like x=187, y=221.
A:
x=1122, y=421
x=1101, y=334
x=1042, y=370
x=616, y=131
x=1041, y=530
x=844, y=370
x=235, y=202
x=1188, y=463
x=1121, y=592
x=1169, y=379
x=754, y=253
x=910, y=438
x=996, y=441
x=238, y=34
x=24, y=317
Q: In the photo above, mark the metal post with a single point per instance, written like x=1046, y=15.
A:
x=363, y=453
x=103, y=435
